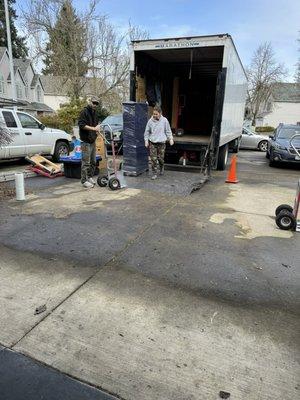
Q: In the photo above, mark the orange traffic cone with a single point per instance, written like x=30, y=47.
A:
x=232, y=178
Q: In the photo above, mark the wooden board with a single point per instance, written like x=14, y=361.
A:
x=192, y=139
x=44, y=164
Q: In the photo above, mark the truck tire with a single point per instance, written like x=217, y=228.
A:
x=236, y=145
x=61, y=149
x=222, y=157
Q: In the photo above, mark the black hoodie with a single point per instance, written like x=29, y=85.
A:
x=89, y=117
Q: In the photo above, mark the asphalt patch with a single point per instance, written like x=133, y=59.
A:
x=24, y=379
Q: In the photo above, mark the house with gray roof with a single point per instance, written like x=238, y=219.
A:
x=283, y=106
x=57, y=89
x=29, y=87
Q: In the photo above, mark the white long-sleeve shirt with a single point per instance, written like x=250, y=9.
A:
x=158, y=131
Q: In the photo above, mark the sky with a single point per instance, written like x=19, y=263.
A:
x=250, y=23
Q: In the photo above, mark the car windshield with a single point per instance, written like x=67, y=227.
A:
x=113, y=120
x=287, y=133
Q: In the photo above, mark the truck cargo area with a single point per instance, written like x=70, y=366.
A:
x=183, y=81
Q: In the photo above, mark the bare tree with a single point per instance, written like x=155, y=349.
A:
x=111, y=54
x=297, y=74
x=262, y=73
x=103, y=48
x=59, y=36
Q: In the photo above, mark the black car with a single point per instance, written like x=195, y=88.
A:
x=279, y=146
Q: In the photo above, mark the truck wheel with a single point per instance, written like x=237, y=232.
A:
x=285, y=220
x=236, y=145
x=61, y=149
x=222, y=157
x=282, y=207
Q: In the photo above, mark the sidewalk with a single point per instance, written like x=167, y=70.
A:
x=155, y=296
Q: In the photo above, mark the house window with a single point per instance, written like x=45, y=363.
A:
x=19, y=91
x=2, y=84
x=39, y=94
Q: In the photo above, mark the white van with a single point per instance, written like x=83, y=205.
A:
x=31, y=137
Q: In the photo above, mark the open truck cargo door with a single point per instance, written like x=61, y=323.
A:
x=201, y=86
x=218, y=156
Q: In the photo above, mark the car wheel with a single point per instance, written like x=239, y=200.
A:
x=61, y=149
x=263, y=145
x=272, y=163
x=282, y=207
x=285, y=220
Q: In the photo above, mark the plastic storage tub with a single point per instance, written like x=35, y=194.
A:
x=72, y=166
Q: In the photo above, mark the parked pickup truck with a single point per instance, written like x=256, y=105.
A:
x=30, y=136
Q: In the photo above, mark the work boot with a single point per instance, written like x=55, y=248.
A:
x=92, y=181
x=154, y=177
x=162, y=170
x=87, y=185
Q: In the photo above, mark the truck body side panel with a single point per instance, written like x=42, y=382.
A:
x=235, y=96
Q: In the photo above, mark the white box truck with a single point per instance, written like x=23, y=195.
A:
x=201, y=86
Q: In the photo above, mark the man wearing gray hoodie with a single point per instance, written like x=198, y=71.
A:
x=157, y=132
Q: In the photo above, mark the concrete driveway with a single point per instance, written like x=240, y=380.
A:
x=151, y=295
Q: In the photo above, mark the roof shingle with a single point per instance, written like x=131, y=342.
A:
x=286, y=92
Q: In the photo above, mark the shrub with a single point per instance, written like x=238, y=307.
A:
x=67, y=116
x=261, y=129
x=50, y=120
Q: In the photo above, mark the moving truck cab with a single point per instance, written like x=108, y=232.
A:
x=201, y=86
x=30, y=136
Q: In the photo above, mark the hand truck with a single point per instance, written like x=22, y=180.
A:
x=287, y=217
x=114, y=178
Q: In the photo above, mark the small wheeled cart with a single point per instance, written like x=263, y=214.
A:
x=288, y=217
x=114, y=178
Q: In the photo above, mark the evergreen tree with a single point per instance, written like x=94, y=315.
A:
x=19, y=48
x=66, y=48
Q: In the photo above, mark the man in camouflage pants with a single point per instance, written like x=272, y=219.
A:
x=157, y=132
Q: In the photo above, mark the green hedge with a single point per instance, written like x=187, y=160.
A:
x=67, y=115
x=260, y=129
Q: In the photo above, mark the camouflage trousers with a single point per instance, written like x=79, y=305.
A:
x=157, y=155
x=88, y=161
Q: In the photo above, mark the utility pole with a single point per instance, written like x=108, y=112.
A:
x=11, y=63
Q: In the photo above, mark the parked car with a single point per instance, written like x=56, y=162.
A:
x=116, y=123
x=30, y=136
x=279, y=147
x=251, y=140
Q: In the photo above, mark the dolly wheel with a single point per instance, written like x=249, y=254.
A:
x=102, y=181
x=282, y=207
x=285, y=220
x=114, y=184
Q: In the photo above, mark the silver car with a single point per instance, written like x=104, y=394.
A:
x=251, y=140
